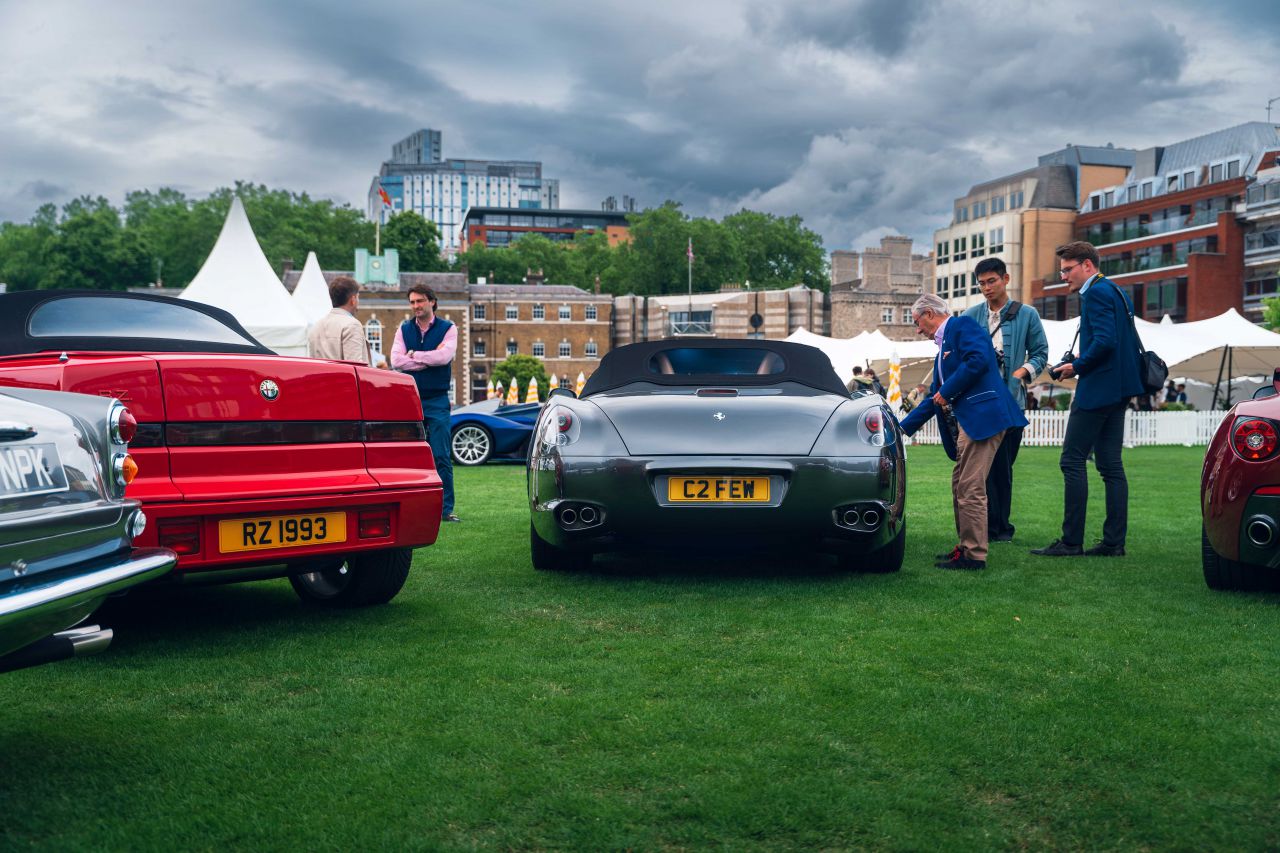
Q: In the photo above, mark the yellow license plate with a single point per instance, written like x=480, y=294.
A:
x=281, y=531
x=718, y=489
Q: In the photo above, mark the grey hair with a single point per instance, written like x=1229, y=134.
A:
x=930, y=302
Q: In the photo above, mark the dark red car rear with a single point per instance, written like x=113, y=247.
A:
x=251, y=464
x=1240, y=495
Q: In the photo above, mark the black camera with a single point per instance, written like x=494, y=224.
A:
x=1067, y=358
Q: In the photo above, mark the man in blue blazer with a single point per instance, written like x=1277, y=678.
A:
x=969, y=393
x=1108, y=375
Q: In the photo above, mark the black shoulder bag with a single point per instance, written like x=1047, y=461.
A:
x=1151, y=367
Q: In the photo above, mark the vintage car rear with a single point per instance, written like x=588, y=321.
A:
x=1240, y=495
x=66, y=529
x=759, y=446
x=252, y=465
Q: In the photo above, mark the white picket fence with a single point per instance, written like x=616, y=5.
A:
x=1048, y=429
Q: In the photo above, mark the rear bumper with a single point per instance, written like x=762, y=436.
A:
x=808, y=498
x=32, y=611
x=413, y=514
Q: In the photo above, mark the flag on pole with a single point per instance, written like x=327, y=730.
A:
x=386, y=199
x=689, y=252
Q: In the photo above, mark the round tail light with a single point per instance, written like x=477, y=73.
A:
x=125, y=469
x=1254, y=439
x=124, y=426
x=564, y=420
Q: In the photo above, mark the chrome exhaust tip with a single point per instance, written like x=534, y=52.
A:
x=87, y=640
x=871, y=518
x=568, y=516
x=587, y=515
x=850, y=517
x=1261, y=531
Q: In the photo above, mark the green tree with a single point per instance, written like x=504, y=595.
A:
x=416, y=239
x=778, y=251
x=24, y=249
x=93, y=250
x=522, y=368
x=1271, y=314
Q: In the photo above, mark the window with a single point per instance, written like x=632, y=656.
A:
x=979, y=209
x=940, y=285
x=566, y=313
x=1188, y=180
x=478, y=349
x=944, y=252
x=742, y=361
x=1015, y=199
x=373, y=334
x=590, y=351
x=1146, y=189
x=1109, y=198
x=513, y=312
x=906, y=315
x=957, y=285
x=690, y=322
x=511, y=348
x=997, y=240
x=886, y=315
x=566, y=349
x=590, y=312
x=1233, y=169
x=979, y=245
x=539, y=349
x=960, y=253
x=962, y=213
x=997, y=204
x=1215, y=173
x=1172, y=185
x=477, y=311
x=539, y=312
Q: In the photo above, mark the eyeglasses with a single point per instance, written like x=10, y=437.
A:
x=1063, y=272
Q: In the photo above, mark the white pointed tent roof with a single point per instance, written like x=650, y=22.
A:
x=238, y=278
x=311, y=293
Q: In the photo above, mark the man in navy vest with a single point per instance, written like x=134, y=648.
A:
x=424, y=349
x=1108, y=373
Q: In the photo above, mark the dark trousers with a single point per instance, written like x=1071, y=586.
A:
x=1000, y=485
x=435, y=417
x=1102, y=432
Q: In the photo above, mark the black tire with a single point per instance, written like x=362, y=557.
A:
x=548, y=558
x=881, y=561
x=1221, y=573
x=374, y=577
x=471, y=444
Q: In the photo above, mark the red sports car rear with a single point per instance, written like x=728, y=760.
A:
x=252, y=464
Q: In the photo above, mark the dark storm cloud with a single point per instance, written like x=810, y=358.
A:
x=857, y=114
x=882, y=26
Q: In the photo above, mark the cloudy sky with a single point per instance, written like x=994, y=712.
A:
x=863, y=116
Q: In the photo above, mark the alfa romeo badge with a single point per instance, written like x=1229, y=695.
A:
x=269, y=390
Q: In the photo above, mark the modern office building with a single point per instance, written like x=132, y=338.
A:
x=1020, y=218
x=1259, y=213
x=733, y=312
x=876, y=289
x=1168, y=232
x=498, y=227
x=419, y=178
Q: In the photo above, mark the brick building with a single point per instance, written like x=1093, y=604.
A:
x=877, y=288
x=1168, y=234
x=731, y=313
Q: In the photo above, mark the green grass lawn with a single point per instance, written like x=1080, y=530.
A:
x=658, y=704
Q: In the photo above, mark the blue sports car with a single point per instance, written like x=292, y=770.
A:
x=490, y=428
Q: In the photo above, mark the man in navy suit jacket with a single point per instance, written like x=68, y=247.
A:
x=1109, y=374
x=967, y=387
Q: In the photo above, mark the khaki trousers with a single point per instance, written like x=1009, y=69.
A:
x=969, y=491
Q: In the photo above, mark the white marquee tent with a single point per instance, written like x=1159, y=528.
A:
x=311, y=293
x=237, y=277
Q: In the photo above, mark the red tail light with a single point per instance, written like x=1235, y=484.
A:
x=375, y=524
x=123, y=425
x=872, y=421
x=564, y=420
x=182, y=536
x=1254, y=439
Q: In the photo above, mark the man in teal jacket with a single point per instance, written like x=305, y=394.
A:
x=1023, y=350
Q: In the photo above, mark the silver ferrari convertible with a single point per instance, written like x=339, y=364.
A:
x=717, y=444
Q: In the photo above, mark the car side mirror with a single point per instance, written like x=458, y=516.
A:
x=562, y=392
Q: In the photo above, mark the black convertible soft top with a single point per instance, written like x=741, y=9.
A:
x=112, y=321
x=733, y=362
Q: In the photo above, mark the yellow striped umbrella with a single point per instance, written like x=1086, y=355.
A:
x=489, y=392
x=531, y=396
x=513, y=393
x=895, y=382
x=582, y=381
x=554, y=383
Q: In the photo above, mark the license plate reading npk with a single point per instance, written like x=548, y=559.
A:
x=281, y=531
x=718, y=489
x=31, y=469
